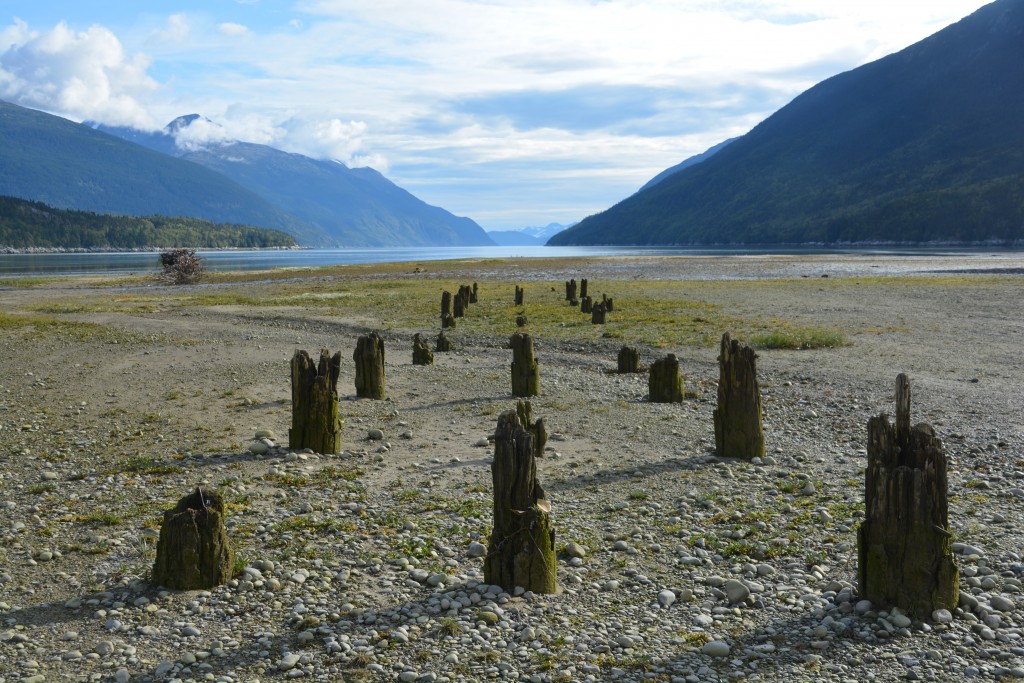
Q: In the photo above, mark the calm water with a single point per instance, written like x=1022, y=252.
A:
x=22, y=265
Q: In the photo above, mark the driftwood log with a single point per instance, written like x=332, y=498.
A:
x=904, y=547
x=519, y=296
x=316, y=423
x=193, y=551
x=369, y=358
x=664, y=383
x=525, y=370
x=443, y=344
x=739, y=430
x=421, y=353
x=629, y=360
x=521, y=549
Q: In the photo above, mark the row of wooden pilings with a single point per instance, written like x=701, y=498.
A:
x=904, y=544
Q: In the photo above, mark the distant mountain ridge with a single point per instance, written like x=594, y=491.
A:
x=526, y=237
x=345, y=206
x=68, y=165
x=687, y=163
x=924, y=145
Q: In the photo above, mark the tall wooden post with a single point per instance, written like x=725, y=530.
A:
x=629, y=360
x=447, y=319
x=583, y=288
x=521, y=549
x=525, y=370
x=421, y=353
x=570, y=290
x=473, y=294
x=369, y=358
x=316, y=423
x=664, y=383
x=519, y=296
x=193, y=551
x=586, y=304
x=904, y=547
x=739, y=431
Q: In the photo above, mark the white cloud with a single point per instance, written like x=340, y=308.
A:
x=232, y=29
x=175, y=32
x=79, y=74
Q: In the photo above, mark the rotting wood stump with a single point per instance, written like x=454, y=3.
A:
x=570, y=290
x=583, y=288
x=598, y=314
x=540, y=434
x=447, y=320
x=519, y=296
x=421, y=353
x=473, y=294
x=525, y=370
x=443, y=344
x=904, y=547
x=586, y=304
x=193, y=551
x=664, y=383
x=739, y=430
x=629, y=361
x=609, y=304
x=369, y=358
x=461, y=303
x=521, y=549
x=316, y=422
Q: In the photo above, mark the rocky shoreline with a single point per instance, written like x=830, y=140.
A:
x=673, y=565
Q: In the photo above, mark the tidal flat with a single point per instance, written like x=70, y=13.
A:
x=119, y=396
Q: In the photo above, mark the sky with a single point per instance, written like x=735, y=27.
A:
x=514, y=113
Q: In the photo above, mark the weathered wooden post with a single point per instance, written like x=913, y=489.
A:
x=629, y=360
x=598, y=314
x=193, y=551
x=904, y=547
x=608, y=303
x=443, y=344
x=369, y=358
x=316, y=423
x=739, y=432
x=519, y=296
x=540, y=435
x=586, y=304
x=583, y=288
x=570, y=290
x=664, y=383
x=447, y=319
x=521, y=549
x=421, y=353
x=525, y=370
x=473, y=294
x=460, y=303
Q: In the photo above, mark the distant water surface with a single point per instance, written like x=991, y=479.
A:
x=28, y=265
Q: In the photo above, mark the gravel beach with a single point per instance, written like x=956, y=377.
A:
x=366, y=565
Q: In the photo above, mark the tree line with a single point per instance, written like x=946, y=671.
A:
x=26, y=224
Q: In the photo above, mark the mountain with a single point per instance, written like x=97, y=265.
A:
x=923, y=145
x=345, y=206
x=67, y=165
x=26, y=224
x=687, y=163
x=526, y=237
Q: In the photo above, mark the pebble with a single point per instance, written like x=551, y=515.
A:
x=666, y=598
x=716, y=648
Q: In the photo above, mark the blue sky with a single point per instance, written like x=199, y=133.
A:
x=512, y=112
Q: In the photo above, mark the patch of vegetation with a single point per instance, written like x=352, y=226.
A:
x=800, y=338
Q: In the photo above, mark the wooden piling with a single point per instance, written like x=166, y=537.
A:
x=739, y=431
x=369, y=358
x=664, y=383
x=193, y=551
x=421, y=353
x=316, y=423
x=525, y=370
